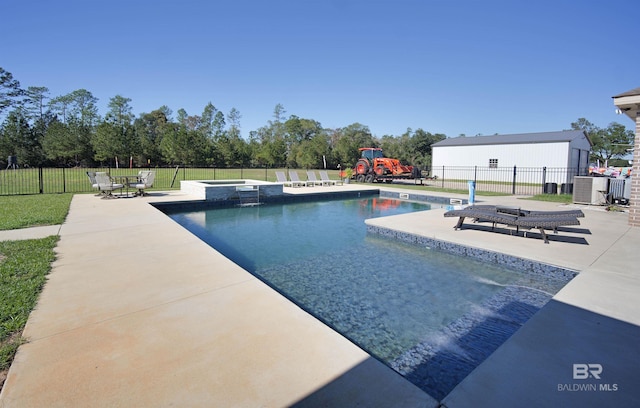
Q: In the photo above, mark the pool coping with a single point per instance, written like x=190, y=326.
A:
x=606, y=289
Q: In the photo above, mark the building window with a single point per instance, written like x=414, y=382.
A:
x=493, y=163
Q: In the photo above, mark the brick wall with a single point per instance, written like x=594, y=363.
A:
x=634, y=207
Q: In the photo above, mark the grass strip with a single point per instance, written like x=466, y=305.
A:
x=552, y=198
x=24, y=266
x=33, y=210
x=440, y=189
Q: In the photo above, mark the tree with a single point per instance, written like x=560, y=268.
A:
x=208, y=120
x=9, y=91
x=57, y=145
x=180, y=145
x=421, y=143
x=17, y=138
x=310, y=152
x=269, y=143
x=78, y=112
x=584, y=124
x=612, y=142
x=150, y=129
x=120, y=112
x=35, y=97
x=234, y=117
x=59, y=105
x=83, y=107
x=347, y=142
x=606, y=144
x=307, y=142
x=114, y=137
x=108, y=142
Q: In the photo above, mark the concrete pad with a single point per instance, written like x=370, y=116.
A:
x=29, y=233
x=572, y=248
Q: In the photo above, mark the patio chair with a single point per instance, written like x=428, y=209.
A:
x=92, y=180
x=282, y=178
x=539, y=221
x=145, y=180
x=295, y=180
x=106, y=185
x=324, y=176
x=313, y=180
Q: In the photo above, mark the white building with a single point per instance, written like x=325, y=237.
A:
x=568, y=150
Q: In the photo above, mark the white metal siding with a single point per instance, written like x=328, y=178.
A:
x=521, y=155
x=535, y=155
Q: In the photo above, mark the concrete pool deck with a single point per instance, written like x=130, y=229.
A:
x=139, y=312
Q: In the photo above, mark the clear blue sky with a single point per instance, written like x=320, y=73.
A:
x=452, y=67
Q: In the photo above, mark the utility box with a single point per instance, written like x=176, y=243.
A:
x=590, y=190
x=620, y=190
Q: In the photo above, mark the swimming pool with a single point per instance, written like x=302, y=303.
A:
x=429, y=315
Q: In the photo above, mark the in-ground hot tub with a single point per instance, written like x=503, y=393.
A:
x=244, y=191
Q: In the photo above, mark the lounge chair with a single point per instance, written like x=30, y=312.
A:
x=324, y=176
x=106, y=185
x=282, y=178
x=520, y=212
x=295, y=179
x=540, y=220
x=145, y=181
x=313, y=180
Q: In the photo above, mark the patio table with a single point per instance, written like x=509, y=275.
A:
x=126, y=180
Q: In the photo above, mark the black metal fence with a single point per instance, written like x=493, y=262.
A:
x=503, y=180
x=508, y=180
x=75, y=180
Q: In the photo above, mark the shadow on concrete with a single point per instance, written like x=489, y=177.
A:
x=369, y=384
x=536, y=366
x=531, y=233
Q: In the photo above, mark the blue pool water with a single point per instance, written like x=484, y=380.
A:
x=429, y=315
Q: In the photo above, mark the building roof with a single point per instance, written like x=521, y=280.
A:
x=628, y=103
x=632, y=92
x=521, y=138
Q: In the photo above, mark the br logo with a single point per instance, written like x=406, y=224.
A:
x=584, y=371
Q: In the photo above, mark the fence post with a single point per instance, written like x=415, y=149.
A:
x=442, y=176
x=41, y=180
x=513, y=186
x=475, y=175
x=266, y=172
x=544, y=178
x=64, y=180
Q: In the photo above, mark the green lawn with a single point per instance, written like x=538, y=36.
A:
x=32, y=210
x=442, y=190
x=554, y=198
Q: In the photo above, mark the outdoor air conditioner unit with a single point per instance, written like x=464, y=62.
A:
x=590, y=190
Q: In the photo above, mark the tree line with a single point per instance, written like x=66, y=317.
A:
x=68, y=130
